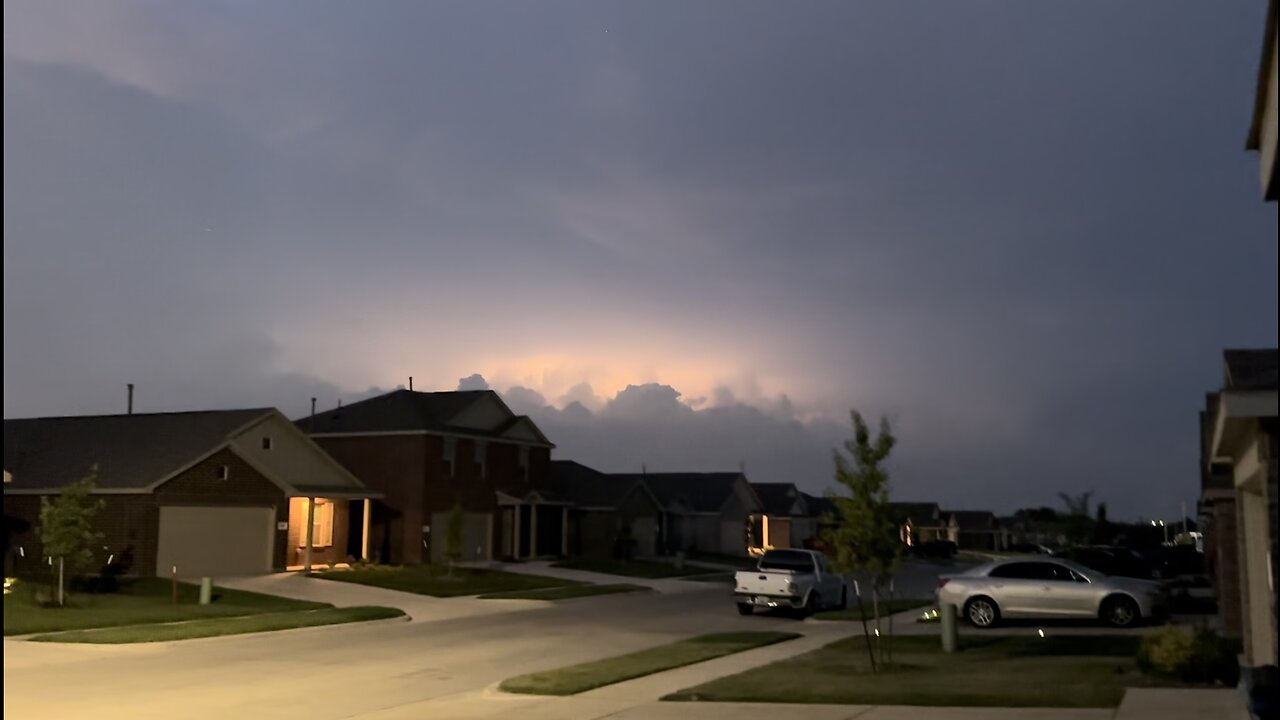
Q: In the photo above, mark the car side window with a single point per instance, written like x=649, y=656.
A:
x=1013, y=571
x=1050, y=571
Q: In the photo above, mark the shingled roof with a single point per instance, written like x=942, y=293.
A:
x=131, y=451
x=919, y=513
x=570, y=481
x=700, y=492
x=409, y=410
x=1250, y=369
x=778, y=499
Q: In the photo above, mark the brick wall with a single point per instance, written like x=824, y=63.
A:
x=132, y=521
x=1222, y=552
x=394, y=465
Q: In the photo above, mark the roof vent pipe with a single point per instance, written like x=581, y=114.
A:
x=130, y=398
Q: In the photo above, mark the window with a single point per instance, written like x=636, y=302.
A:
x=450, y=447
x=482, y=451
x=787, y=560
x=322, y=525
x=266, y=442
x=524, y=461
x=224, y=472
x=1041, y=571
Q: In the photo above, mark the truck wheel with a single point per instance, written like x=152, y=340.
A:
x=745, y=609
x=813, y=603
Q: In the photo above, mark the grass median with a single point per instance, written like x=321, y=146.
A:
x=565, y=592
x=1058, y=671
x=887, y=608
x=631, y=568
x=215, y=627
x=574, y=679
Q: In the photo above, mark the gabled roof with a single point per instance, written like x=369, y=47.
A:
x=699, y=492
x=570, y=481
x=448, y=413
x=780, y=499
x=919, y=513
x=972, y=519
x=819, y=506
x=131, y=451
x=1250, y=370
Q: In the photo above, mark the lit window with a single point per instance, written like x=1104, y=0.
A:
x=322, y=524
x=482, y=449
x=450, y=448
x=266, y=442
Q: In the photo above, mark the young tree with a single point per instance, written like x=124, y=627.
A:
x=453, y=535
x=1079, y=524
x=66, y=528
x=865, y=536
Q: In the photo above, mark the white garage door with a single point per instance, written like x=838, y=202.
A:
x=215, y=541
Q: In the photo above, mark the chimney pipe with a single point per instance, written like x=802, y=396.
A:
x=311, y=421
x=410, y=383
x=130, y=398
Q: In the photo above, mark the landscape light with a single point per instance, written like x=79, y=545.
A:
x=1041, y=631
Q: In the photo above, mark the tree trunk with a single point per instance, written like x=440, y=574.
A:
x=875, y=610
x=889, y=644
x=862, y=614
x=62, y=598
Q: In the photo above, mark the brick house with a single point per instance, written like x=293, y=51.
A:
x=716, y=512
x=788, y=521
x=427, y=451
x=605, y=514
x=219, y=493
x=1239, y=431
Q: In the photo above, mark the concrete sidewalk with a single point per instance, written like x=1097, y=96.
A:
x=419, y=608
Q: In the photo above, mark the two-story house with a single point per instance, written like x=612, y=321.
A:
x=429, y=451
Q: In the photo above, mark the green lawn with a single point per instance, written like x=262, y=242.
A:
x=887, y=607
x=213, y=627
x=992, y=671
x=435, y=580
x=736, y=561
x=146, y=600
x=720, y=577
x=631, y=568
x=564, y=592
x=580, y=678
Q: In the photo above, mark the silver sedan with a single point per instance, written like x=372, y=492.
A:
x=1040, y=587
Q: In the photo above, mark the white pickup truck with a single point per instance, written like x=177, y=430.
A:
x=795, y=579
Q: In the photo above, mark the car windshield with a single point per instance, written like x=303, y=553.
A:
x=786, y=560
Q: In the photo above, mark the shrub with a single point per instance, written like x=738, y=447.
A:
x=1192, y=656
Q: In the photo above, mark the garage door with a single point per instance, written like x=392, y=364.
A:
x=477, y=528
x=644, y=531
x=215, y=541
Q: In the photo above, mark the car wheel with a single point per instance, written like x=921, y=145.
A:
x=813, y=603
x=745, y=609
x=982, y=612
x=1120, y=612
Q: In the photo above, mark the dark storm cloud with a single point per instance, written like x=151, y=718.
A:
x=1022, y=232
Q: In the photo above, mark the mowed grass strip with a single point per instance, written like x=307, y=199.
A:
x=214, y=627
x=574, y=679
x=565, y=592
x=631, y=568
x=887, y=608
x=141, y=601
x=435, y=580
x=993, y=671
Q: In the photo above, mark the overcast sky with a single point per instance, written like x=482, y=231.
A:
x=685, y=234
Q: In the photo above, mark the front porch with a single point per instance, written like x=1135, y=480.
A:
x=532, y=527
x=327, y=532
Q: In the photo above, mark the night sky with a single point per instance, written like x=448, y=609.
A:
x=686, y=234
